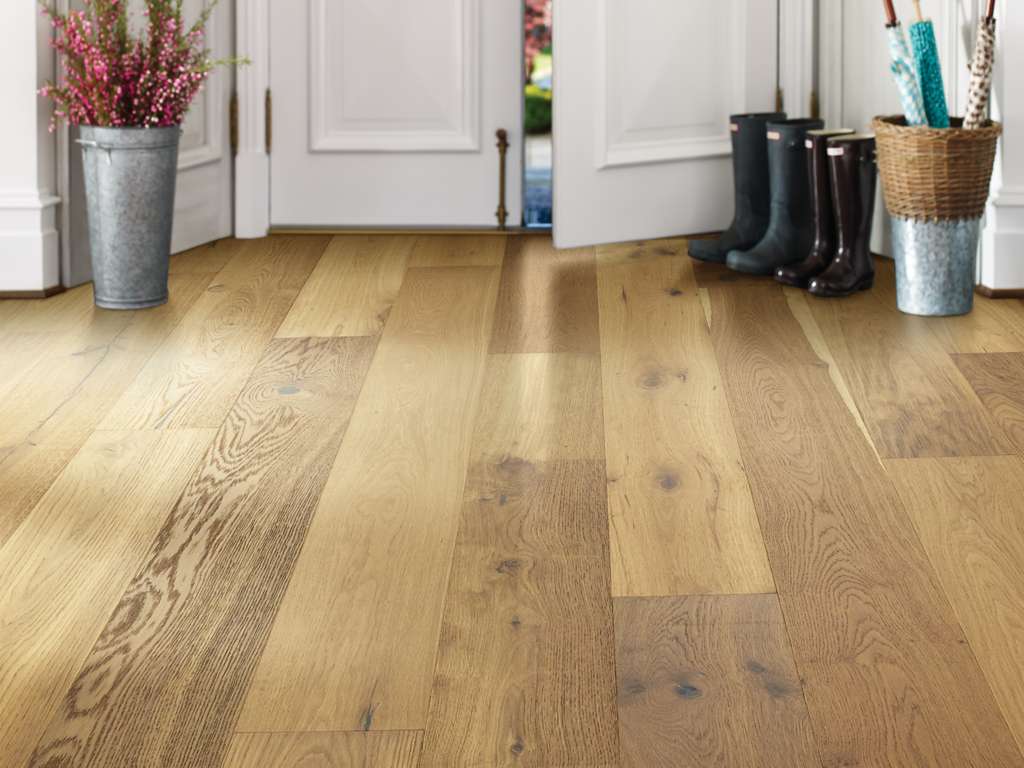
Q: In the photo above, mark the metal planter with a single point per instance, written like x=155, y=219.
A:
x=130, y=176
x=936, y=265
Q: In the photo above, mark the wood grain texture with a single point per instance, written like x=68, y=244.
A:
x=547, y=301
x=194, y=376
x=998, y=379
x=681, y=515
x=457, y=251
x=352, y=288
x=208, y=259
x=338, y=749
x=873, y=636
x=913, y=399
x=529, y=587
x=85, y=364
x=165, y=681
x=354, y=641
x=64, y=570
x=969, y=514
x=706, y=681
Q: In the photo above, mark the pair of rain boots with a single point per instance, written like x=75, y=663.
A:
x=843, y=179
x=773, y=225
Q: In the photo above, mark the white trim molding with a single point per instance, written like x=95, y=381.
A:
x=1002, y=240
x=29, y=242
x=252, y=163
x=798, y=54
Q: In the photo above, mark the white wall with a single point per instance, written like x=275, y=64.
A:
x=29, y=259
x=856, y=85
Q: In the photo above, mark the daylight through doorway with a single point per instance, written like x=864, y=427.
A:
x=537, y=114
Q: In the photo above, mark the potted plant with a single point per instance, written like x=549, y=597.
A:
x=128, y=93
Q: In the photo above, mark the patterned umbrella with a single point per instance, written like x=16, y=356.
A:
x=929, y=71
x=906, y=78
x=981, y=71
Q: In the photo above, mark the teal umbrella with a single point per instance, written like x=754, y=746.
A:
x=929, y=71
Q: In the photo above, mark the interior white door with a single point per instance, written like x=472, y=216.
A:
x=643, y=91
x=202, y=204
x=385, y=111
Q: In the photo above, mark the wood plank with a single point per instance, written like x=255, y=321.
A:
x=457, y=251
x=913, y=399
x=206, y=259
x=344, y=749
x=681, y=515
x=548, y=299
x=352, y=289
x=52, y=408
x=998, y=379
x=166, y=679
x=195, y=375
x=529, y=587
x=353, y=645
x=64, y=569
x=873, y=636
x=969, y=514
x=708, y=680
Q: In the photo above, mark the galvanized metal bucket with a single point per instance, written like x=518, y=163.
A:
x=130, y=176
x=936, y=265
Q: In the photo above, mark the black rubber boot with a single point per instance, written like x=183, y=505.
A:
x=751, y=189
x=791, y=228
x=852, y=163
x=824, y=248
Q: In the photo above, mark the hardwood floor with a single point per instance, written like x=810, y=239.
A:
x=441, y=501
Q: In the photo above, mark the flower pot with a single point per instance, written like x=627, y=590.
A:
x=130, y=175
x=936, y=185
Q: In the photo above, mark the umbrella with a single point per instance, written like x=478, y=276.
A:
x=902, y=67
x=981, y=70
x=929, y=71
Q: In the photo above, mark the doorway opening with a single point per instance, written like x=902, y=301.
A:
x=537, y=95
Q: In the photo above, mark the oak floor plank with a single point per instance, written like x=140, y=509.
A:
x=64, y=570
x=548, y=299
x=708, y=680
x=206, y=259
x=969, y=514
x=165, y=681
x=912, y=397
x=457, y=251
x=525, y=666
x=352, y=289
x=332, y=749
x=50, y=410
x=998, y=379
x=193, y=378
x=353, y=644
x=874, y=638
x=682, y=519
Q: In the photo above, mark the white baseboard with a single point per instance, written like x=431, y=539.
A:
x=1002, y=243
x=252, y=194
x=29, y=243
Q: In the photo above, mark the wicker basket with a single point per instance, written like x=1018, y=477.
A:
x=935, y=174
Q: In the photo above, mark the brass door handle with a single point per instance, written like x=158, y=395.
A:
x=502, y=212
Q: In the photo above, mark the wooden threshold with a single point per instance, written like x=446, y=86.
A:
x=297, y=230
x=1000, y=293
x=43, y=293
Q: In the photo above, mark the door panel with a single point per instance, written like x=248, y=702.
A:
x=388, y=117
x=643, y=92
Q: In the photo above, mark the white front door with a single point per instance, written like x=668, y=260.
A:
x=385, y=111
x=203, y=198
x=643, y=92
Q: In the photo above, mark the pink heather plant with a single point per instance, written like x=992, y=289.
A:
x=112, y=78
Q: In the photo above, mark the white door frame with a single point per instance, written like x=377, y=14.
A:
x=252, y=39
